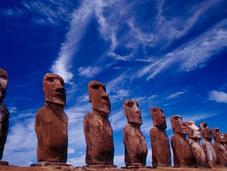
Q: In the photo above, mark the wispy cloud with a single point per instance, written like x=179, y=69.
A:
x=192, y=55
x=119, y=160
x=218, y=96
x=41, y=12
x=89, y=71
x=77, y=161
x=21, y=143
x=78, y=25
x=175, y=95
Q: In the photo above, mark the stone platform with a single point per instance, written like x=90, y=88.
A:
x=16, y=168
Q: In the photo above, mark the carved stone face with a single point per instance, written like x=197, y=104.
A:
x=98, y=97
x=206, y=132
x=53, y=87
x=3, y=83
x=132, y=112
x=159, y=119
x=192, y=130
x=177, y=124
x=218, y=136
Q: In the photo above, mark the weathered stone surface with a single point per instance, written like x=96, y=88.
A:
x=207, y=146
x=4, y=113
x=194, y=137
x=159, y=140
x=134, y=141
x=97, y=128
x=51, y=122
x=15, y=168
x=182, y=153
x=219, y=141
x=225, y=143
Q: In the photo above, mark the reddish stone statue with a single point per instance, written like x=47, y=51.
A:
x=4, y=114
x=134, y=141
x=159, y=140
x=97, y=128
x=182, y=153
x=219, y=141
x=207, y=146
x=194, y=137
x=51, y=124
x=225, y=144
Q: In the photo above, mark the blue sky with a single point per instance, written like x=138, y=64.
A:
x=170, y=54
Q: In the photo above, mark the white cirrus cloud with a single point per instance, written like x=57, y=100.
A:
x=21, y=143
x=175, y=95
x=78, y=25
x=192, y=55
x=89, y=71
x=218, y=96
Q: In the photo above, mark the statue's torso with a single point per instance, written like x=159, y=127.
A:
x=221, y=153
x=182, y=151
x=99, y=139
x=52, y=134
x=160, y=148
x=210, y=152
x=135, y=146
x=4, y=124
x=198, y=152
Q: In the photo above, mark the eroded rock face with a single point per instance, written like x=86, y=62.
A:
x=97, y=128
x=51, y=124
x=219, y=141
x=182, y=153
x=207, y=146
x=194, y=137
x=134, y=141
x=159, y=140
x=4, y=114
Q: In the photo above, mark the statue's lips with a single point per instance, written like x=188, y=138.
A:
x=106, y=103
x=60, y=91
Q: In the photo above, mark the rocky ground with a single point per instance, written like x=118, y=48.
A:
x=59, y=168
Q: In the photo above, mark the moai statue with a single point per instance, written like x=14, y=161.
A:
x=182, y=153
x=51, y=123
x=194, y=137
x=97, y=128
x=134, y=141
x=161, y=156
x=4, y=114
x=207, y=146
x=225, y=144
x=221, y=152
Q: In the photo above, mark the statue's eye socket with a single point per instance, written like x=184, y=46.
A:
x=50, y=80
x=130, y=104
x=95, y=86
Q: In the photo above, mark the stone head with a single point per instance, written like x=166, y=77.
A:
x=206, y=131
x=132, y=112
x=53, y=88
x=192, y=130
x=98, y=97
x=177, y=124
x=158, y=117
x=3, y=83
x=218, y=136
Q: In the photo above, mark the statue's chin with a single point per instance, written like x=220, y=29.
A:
x=103, y=111
x=57, y=101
